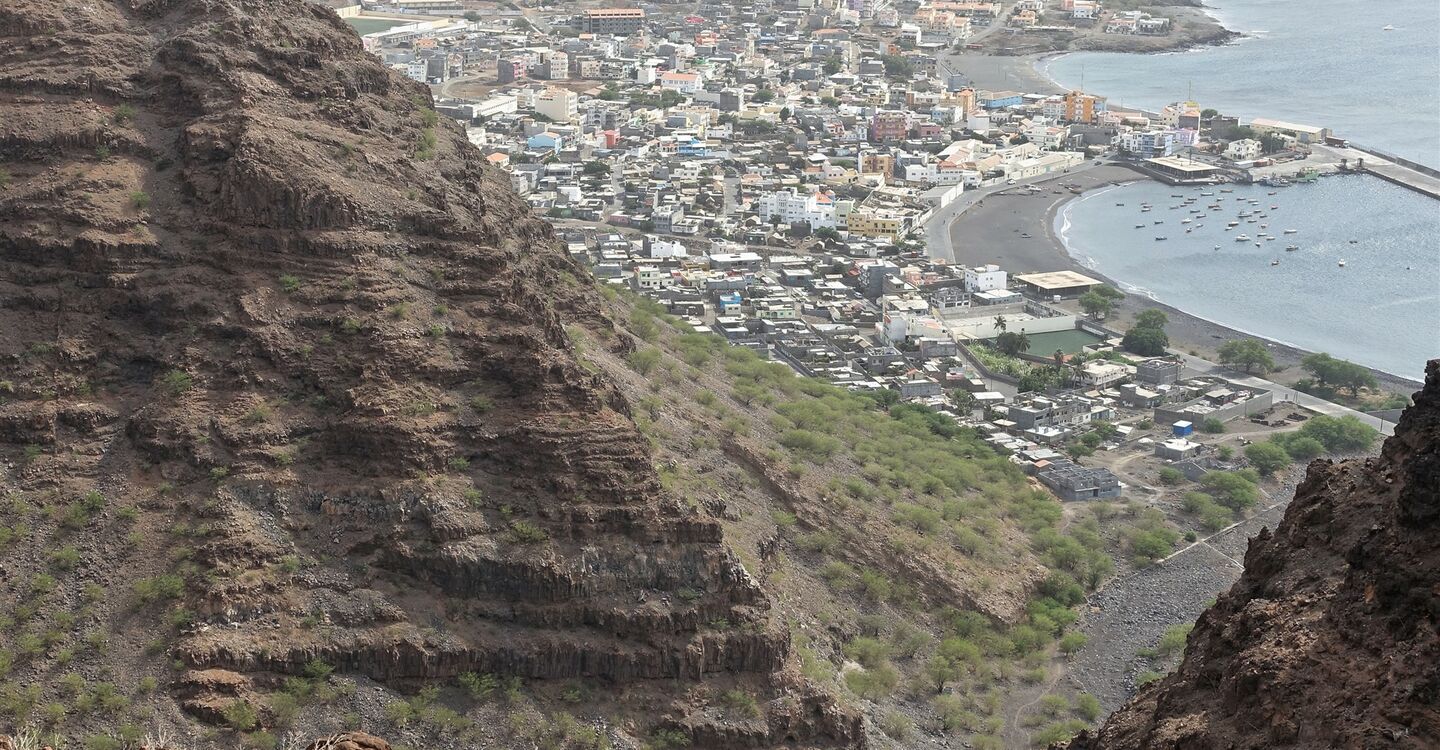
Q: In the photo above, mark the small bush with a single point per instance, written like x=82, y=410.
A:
x=140, y=200
x=177, y=382
x=896, y=725
x=1171, y=476
x=739, y=703
x=124, y=113
x=241, y=716
x=169, y=586
x=524, y=532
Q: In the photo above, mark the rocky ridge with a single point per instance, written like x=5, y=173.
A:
x=269, y=325
x=1331, y=638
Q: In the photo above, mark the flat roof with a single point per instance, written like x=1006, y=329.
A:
x=1058, y=280
x=615, y=12
x=1181, y=165
x=1282, y=125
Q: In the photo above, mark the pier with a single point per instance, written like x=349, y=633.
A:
x=1403, y=172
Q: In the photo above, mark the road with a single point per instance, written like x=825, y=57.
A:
x=1284, y=393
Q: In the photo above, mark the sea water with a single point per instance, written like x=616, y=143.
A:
x=1327, y=63
x=1381, y=309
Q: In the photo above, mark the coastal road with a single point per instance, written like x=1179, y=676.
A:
x=1283, y=393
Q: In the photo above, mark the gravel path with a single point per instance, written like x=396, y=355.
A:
x=1131, y=613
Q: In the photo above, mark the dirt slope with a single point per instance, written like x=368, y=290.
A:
x=285, y=374
x=1329, y=639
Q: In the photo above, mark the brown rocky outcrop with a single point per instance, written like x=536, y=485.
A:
x=254, y=287
x=1331, y=638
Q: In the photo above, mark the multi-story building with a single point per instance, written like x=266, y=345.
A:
x=1148, y=143
x=816, y=209
x=560, y=105
x=557, y=66
x=614, y=21
x=511, y=71
x=984, y=278
x=1082, y=107
x=889, y=125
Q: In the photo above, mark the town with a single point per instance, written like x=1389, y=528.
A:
x=782, y=175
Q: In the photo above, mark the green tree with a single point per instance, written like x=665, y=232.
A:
x=1147, y=336
x=1012, y=343
x=1150, y=342
x=596, y=168
x=763, y=96
x=1231, y=489
x=832, y=66
x=1339, y=434
x=1096, y=305
x=1267, y=457
x=1247, y=354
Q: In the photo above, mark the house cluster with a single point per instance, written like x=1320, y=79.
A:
x=1068, y=15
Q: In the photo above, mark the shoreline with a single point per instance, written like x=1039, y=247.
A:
x=991, y=223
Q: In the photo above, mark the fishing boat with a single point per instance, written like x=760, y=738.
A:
x=1185, y=221
x=1291, y=248
x=1144, y=210
x=1342, y=263
x=1233, y=224
x=1275, y=262
x=1139, y=226
x=1119, y=204
x=1200, y=216
x=1387, y=27
x=1274, y=208
x=1159, y=239
x=1159, y=221
x=1217, y=247
x=1176, y=195
x=1273, y=192
x=1207, y=194
x=1243, y=238
x=1227, y=190
x=1291, y=231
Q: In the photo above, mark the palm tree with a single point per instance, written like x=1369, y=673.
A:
x=1000, y=323
x=1022, y=343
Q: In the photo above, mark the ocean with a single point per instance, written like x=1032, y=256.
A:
x=1327, y=63
x=1381, y=309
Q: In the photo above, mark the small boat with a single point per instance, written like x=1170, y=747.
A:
x=1354, y=242
x=1176, y=195
x=1159, y=239
x=1186, y=221
x=1387, y=27
x=1227, y=190
x=1342, y=263
x=1257, y=244
x=1139, y=226
x=1188, y=231
x=1273, y=192
x=1291, y=231
x=1274, y=208
x=1159, y=221
x=1264, y=226
x=1291, y=248
x=1119, y=204
x=1217, y=247
x=1200, y=216
x=1275, y=262
x=1144, y=210
x=1233, y=224
x=1243, y=238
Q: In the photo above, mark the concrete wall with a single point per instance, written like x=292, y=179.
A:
x=1169, y=414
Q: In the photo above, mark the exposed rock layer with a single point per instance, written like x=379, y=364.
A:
x=249, y=282
x=1331, y=637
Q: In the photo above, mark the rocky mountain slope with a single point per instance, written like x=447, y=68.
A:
x=1331, y=638
x=287, y=390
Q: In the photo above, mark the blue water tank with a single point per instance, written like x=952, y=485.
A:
x=1182, y=428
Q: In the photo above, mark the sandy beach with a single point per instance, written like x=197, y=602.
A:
x=991, y=231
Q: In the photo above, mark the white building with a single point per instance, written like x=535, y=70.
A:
x=1101, y=374
x=560, y=105
x=685, y=83
x=1244, y=149
x=984, y=278
x=816, y=209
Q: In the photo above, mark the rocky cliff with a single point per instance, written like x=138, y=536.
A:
x=1331, y=638
x=287, y=385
